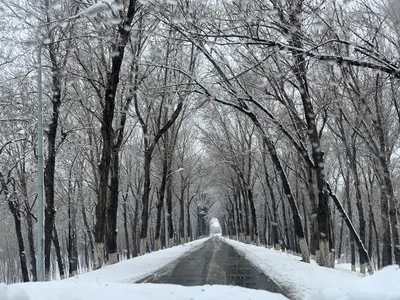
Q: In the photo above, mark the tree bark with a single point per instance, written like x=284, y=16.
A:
x=72, y=245
x=107, y=136
x=112, y=210
x=353, y=232
x=126, y=232
x=57, y=247
x=15, y=210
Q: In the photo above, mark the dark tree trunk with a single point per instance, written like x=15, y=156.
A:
x=13, y=205
x=135, y=226
x=314, y=236
x=339, y=256
x=161, y=193
x=169, y=208
x=126, y=232
x=253, y=214
x=351, y=152
x=239, y=215
x=149, y=148
x=21, y=247
x=112, y=210
x=189, y=224
x=84, y=217
x=392, y=211
x=182, y=214
x=107, y=137
x=387, y=258
x=300, y=71
x=57, y=247
x=353, y=232
x=286, y=226
x=265, y=228
x=246, y=212
x=29, y=222
x=145, y=201
x=274, y=222
x=49, y=171
x=298, y=227
x=72, y=243
x=350, y=214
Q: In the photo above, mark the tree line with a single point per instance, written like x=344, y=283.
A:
x=278, y=117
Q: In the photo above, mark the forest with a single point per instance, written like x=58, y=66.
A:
x=280, y=118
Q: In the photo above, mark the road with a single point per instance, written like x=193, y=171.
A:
x=215, y=262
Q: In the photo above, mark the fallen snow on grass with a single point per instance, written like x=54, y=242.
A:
x=312, y=282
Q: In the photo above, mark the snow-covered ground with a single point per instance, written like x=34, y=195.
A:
x=117, y=282
x=312, y=282
x=304, y=281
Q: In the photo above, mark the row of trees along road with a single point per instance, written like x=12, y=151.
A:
x=280, y=118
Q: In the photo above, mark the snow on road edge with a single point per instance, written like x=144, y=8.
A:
x=299, y=278
x=137, y=268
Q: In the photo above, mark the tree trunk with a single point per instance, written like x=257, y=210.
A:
x=298, y=227
x=188, y=222
x=274, y=223
x=392, y=210
x=286, y=226
x=15, y=210
x=126, y=232
x=29, y=222
x=112, y=210
x=135, y=226
x=339, y=256
x=57, y=247
x=300, y=71
x=107, y=137
x=84, y=217
x=145, y=202
x=161, y=198
x=169, y=216
x=353, y=232
x=72, y=245
x=182, y=215
x=246, y=214
x=49, y=174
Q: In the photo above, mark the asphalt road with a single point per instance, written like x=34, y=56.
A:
x=214, y=263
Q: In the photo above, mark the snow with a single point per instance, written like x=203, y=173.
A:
x=117, y=282
x=383, y=285
x=95, y=9
x=132, y=270
x=312, y=282
x=302, y=280
x=63, y=290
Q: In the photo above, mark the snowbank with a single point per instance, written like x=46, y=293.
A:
x=69, y=290
x=382, y=285
x=117, y=282
x=132, y=270
x=312, y=282
x=299, y=278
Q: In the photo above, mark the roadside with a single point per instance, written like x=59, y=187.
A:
x=216, y=262
x=312, y=282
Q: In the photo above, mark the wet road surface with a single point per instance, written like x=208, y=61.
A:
x=215, y=262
